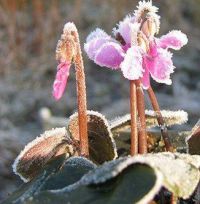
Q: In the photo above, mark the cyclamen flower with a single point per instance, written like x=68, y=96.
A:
x=68, y=52
x=65, y=52
x=134, y=49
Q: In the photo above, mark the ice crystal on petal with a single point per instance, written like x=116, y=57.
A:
x=98, y=33
x=174, y=39
x=132, y=65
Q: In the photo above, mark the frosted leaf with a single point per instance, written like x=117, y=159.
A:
x=27, y=191
x=71, y=172
x=170, y=117
x=40, y=151
x=181, y=177
x=179, y=174
x=101, y=143
x=193, y=140
x=110, y=183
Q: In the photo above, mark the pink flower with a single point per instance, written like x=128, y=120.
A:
x=61, y=79
x=65, y=52
x=134, y=49
x=158, y=60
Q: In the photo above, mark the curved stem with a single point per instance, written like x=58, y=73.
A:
x=133, y=111
x=160, y=120
x=81, y=97
x=141, y=118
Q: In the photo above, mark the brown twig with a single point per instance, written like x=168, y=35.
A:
x=133, y=111
x=160, y=120
x=141, y=119
x=81, y=97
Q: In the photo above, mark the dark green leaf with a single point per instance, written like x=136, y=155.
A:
x=72, y=171
x=134, y=184
x=29, y=189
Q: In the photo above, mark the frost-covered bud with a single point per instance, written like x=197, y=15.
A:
x=151, y=25
x=66, y=47
x=147, y=17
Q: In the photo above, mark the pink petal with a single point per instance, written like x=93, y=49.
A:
x=95, y=40
x=98, y=33
x=146, y=79
x=174, y=40
x=132, y=65
x=61, y=79
x=124, y=28
x=109, y=55
x=92, y=46
x=160, y=66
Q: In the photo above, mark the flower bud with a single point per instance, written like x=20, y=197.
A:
x=146, y=15
x=150, y=25
x=66, y=47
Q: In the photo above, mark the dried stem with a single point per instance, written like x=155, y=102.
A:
x=160, y=120
x=133, y=110
x=81, y=96
x=141, y=118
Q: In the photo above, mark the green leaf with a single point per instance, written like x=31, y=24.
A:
x=125, y=180
x=27, y=190
x=180, y=172
x=134, y=184
x=101, y=143
x=58, y=174
x=72, y=171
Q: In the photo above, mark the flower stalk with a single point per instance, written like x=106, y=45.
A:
x=69, y=51
x=81, y=98
x=160, y=120
x=141, y=119
x=133, y=111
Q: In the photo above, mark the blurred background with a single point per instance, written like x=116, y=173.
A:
x=29, y=31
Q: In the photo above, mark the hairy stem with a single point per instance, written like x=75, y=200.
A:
x=160, y=120
x=133, y=111
x=141, y=118
x=81, y=96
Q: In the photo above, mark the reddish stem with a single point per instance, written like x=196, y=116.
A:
x=81, y=96
x=133, y=110
x=141, y=118
x=173, y=199
x=160, y=120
